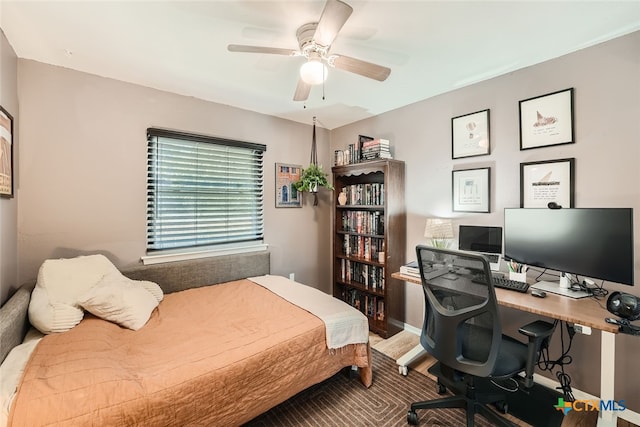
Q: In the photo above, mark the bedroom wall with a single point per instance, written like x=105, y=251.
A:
x=607, y=153
x=9, y=207
x=83, y=169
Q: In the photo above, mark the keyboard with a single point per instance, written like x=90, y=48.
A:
x=504, y=283
x=512, y=285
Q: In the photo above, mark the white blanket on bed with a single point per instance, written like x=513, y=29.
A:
x=344, y=324
x=11, y=371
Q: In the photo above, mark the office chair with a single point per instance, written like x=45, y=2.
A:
x=462, y=330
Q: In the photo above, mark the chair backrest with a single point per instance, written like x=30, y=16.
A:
x=462, y=327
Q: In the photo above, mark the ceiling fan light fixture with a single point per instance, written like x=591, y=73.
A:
x=313, y=72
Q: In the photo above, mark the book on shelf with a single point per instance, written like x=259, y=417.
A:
x=366, y=149
x=370, y=305
x=375, y=149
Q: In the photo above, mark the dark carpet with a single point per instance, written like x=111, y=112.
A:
x=341, y=401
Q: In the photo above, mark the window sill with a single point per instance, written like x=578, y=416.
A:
x=182, y=256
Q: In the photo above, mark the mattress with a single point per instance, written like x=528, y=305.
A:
x=216, y=355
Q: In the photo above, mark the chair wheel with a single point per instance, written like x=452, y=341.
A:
x=502, y=406
x=440, y=389
x=412, y=418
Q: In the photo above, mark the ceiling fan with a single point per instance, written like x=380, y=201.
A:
x=314, y=41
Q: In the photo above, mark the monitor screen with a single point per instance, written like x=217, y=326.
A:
x=480, y=239
x=594, y=243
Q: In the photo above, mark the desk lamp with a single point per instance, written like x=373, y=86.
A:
x=440, y=231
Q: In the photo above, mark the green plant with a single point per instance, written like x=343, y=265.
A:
x=311, y=178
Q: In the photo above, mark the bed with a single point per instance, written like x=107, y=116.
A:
x=208, y=355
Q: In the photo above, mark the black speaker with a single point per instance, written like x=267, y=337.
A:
x=625, y=306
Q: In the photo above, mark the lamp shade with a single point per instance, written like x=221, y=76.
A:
x=313, y=72
x=438, y=228
x=440, y=231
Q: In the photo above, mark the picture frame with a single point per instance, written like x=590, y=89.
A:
x=547, y=120
x=545, y=182
x=6, y=154
x=287, y=196
x=471, y=190
x=361, y=140
x=470, y=135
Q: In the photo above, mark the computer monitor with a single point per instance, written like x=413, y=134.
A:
x=595, y=243
x=480, y=239
x=486, y=240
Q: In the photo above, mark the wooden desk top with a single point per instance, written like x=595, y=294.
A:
x=585, y=311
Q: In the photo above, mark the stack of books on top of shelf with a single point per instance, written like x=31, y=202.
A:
x=375, y=149
x=411, y=269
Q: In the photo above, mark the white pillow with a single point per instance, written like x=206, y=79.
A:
x=151, y=287
x=53, y=306
x=119, y=300
x=51, y=317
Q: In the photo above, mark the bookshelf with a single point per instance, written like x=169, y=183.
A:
x=371, y=222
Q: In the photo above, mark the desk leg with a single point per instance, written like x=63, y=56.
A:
x=607, y=375
x=413, y=354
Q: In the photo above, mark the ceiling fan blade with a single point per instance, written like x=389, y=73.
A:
x=333, y=17
x=302, y=91
x=261, y=49
x=366, y=69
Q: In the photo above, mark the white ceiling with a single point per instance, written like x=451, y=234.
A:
x=432, y=47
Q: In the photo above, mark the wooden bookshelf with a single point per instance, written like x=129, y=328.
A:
x=371, y=222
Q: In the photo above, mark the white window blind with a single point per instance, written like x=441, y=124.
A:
x=202, y=191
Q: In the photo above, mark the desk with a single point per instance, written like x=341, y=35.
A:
x=584, y=311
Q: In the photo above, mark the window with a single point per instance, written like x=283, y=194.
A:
x=202, y=191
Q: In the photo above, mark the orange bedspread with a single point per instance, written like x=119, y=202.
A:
x=218, y=355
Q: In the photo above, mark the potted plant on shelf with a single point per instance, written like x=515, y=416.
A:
x=310, y=179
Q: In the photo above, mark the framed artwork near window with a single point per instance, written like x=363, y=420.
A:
x=550, y=181
x=6, y=153
x=547, y=120
x=470, y=135
x=471, y=190
x=287, y=196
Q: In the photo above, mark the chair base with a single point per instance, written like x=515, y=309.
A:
x=466, y=397
x=534, y=406
x=471, y=405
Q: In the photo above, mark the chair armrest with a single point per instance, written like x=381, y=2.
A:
x=537, y=330
x=538, y=333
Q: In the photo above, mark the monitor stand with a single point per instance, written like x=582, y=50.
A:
x=554, y=287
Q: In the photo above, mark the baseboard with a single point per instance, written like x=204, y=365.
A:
x=627, y=414
x=412, y=329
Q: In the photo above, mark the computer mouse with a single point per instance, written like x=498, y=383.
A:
x=538, y=293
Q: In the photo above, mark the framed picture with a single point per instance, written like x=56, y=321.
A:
x=286, y=194
x=547, y=182
x=547, y=120
x=6, y=153
x=470, y=135
x=471, y=190
x=361, y=140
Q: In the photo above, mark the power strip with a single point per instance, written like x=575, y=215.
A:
x=581, y=329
